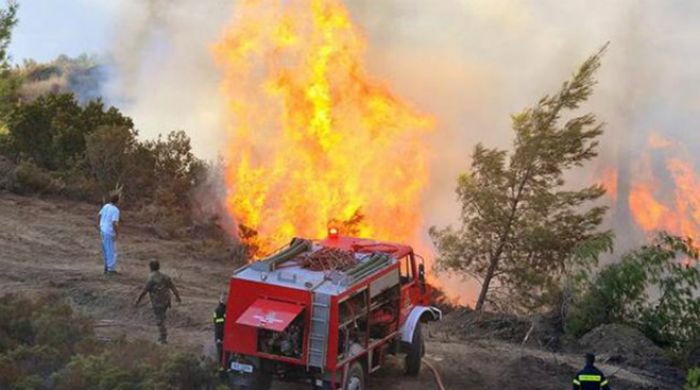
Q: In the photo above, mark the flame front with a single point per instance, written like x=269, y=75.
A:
x=314, y=140
x=676, y=211
x=665, y=196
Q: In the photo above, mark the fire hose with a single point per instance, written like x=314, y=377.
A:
x=436, y=375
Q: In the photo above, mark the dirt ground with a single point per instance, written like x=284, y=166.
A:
x=49, y=245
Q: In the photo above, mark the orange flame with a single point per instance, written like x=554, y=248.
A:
x=648, y=213
x=313, y=138
x=674, y=208
x=608, y=179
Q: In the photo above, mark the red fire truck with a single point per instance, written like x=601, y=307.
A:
x=327, y=311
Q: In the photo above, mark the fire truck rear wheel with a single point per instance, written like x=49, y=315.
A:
x=356, y=377
x=415, y=353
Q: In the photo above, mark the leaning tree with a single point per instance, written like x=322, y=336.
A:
x=520, y=221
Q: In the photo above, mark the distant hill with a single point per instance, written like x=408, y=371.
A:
x=83, y=75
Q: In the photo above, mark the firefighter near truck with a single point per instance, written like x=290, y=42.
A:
x=326, y=312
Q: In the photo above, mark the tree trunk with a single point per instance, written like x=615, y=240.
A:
x=485, y=285
x=496, y=257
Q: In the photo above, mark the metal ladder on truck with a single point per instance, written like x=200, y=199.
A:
x=318, y=336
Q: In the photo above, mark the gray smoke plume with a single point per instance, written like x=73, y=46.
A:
x=84, y=76
x=470, y=63
x=473, y=62
x=163, y=74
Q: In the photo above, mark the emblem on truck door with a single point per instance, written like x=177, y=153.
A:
x=270, y=318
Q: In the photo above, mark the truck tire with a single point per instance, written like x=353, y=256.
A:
x=356, y=378
x=415, y=353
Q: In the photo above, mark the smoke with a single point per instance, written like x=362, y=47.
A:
x=163, y=74
x=471, y=63
x=474, y=62
x=84, y=76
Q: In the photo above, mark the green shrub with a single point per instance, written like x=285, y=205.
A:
x=32, y=382
x=30, y=178
x=44, y=344
x=692, y=382
x=58, y=327
x=615, y=292
x=109, y=152
x=182, y=371
x=93, y=372
x=652, y=288
x=130, y=365
x=38, y=337
x=51, y=130
x=25, y=361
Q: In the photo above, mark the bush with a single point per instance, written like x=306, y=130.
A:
x=620, y=293
x=175, y=169
x=28, y=361
x=109, y=152
x=37, y=338
x=85, y=151
x=8, y=180
x=51, y=130
x=692, y=382
x=614, y=292
x=44, y=344
x=136, y=366
x=30, y=178
x=93, y=372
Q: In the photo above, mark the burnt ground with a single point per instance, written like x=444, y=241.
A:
x=52, y=246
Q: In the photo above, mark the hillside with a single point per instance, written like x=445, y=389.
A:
x=52, y=246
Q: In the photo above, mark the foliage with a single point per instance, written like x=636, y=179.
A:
x=148, y=369
x=110, y=152
x=57, y=142
x=82, y=75
x=37, y=337
x=86, y=151
x=175, y=167
x=8, y=20
x=51, y=130
x=519, y=223
x=651, y=288
x=30, y=179
x=692, y=382
x=45, y=345
x=9, y=81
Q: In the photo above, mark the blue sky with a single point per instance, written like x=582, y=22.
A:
x=48, y=28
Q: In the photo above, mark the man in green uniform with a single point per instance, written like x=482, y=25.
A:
x=158, y=288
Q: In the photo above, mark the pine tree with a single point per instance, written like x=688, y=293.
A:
x=519, y=222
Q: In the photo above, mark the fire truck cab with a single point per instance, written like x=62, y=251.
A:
x=328, y=312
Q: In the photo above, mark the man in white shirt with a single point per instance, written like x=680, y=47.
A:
x=108, y=222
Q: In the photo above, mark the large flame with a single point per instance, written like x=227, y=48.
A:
x=314, y=139
x=665, y=196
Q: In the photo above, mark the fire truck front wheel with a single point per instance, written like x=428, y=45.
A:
x=356, y=377
x=415, y=352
